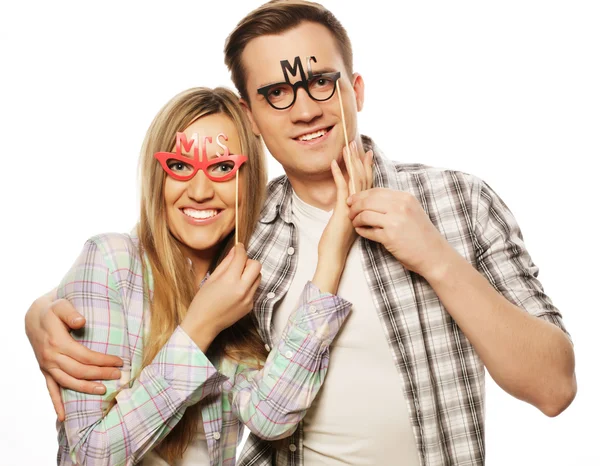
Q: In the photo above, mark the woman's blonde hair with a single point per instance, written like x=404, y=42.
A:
x=174, y=282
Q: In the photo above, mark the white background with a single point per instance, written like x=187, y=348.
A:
x=508, y=91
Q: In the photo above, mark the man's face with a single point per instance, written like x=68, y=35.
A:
x=307, y=136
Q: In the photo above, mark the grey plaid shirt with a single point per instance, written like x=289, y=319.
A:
x=442, y=375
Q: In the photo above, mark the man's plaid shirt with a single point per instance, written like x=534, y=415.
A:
x=442, y=375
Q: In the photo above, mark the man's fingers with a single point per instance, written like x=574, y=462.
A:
x=65, y=311
x=52, y=295
x=373, y=234
x=54, y=391
x=368, y=218
x=380, y=196
x=365, y=203
x=66, y=381
x=84, y=355
x=86, y=372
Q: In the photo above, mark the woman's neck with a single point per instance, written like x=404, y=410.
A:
x=200, y=261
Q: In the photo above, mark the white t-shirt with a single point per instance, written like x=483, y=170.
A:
x=360, y=415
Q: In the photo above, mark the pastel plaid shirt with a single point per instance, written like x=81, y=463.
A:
x=442, y=375
x=106, y=285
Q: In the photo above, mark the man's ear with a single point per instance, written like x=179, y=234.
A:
x=248, y=111
x=358, y=85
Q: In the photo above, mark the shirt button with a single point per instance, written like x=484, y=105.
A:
x=289, y=354
x=267, y=347
x=292, y=447
x=290, y=251
x=217, y=435
x=312, y=308
x=270, y=295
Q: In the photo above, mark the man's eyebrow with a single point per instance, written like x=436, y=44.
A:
x=318, y=72
x=324, y=70
x=271, y=84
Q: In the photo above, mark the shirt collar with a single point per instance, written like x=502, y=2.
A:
x=279, y=201
x=279, y=191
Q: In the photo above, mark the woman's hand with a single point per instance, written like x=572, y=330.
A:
x=225, y=298
x=339, y=234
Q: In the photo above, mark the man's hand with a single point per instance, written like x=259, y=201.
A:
x=62, y=360
x=397, y=221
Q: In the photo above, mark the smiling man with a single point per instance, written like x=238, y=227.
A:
x=440, y=281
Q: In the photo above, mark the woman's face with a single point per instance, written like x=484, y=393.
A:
x=201, y=212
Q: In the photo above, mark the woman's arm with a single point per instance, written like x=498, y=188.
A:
x=272, y=401
x=102, y=285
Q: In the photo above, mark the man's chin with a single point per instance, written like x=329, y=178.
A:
x=317, y=169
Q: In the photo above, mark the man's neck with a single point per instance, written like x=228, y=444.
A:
x=317, y=193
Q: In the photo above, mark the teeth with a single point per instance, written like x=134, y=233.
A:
x=311, y=136
x=200, y=214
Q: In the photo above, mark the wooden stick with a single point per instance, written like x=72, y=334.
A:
x=237, y=181
x=350, y=172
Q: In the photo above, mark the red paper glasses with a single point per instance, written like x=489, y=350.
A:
x=183, y=168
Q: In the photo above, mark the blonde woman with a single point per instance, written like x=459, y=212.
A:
x=172, y=300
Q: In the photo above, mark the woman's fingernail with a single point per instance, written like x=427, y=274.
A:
x=116, y=374
x=99, y=390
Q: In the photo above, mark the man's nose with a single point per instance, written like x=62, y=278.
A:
x=305, y=109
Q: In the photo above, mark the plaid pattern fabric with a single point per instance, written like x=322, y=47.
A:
x=442, y=375
x=106, y=285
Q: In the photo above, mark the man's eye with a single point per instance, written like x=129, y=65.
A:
x=277, y=92
x=322, y=82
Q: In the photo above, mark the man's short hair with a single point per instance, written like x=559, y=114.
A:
x=276, y=17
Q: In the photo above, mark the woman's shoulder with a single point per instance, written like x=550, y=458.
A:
x=119, y=250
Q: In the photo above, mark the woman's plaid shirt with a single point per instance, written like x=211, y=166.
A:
x=106, y=285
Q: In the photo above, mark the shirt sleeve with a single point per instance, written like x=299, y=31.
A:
x=503, y=259
x=272, y=401
x=145, y=408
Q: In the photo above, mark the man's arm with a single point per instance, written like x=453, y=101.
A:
x=62, y=360
x=526, y=354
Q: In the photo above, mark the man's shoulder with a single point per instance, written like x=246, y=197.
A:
x=275, y=186
x=419, y=174
x=407, y=175
x=274, y=196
